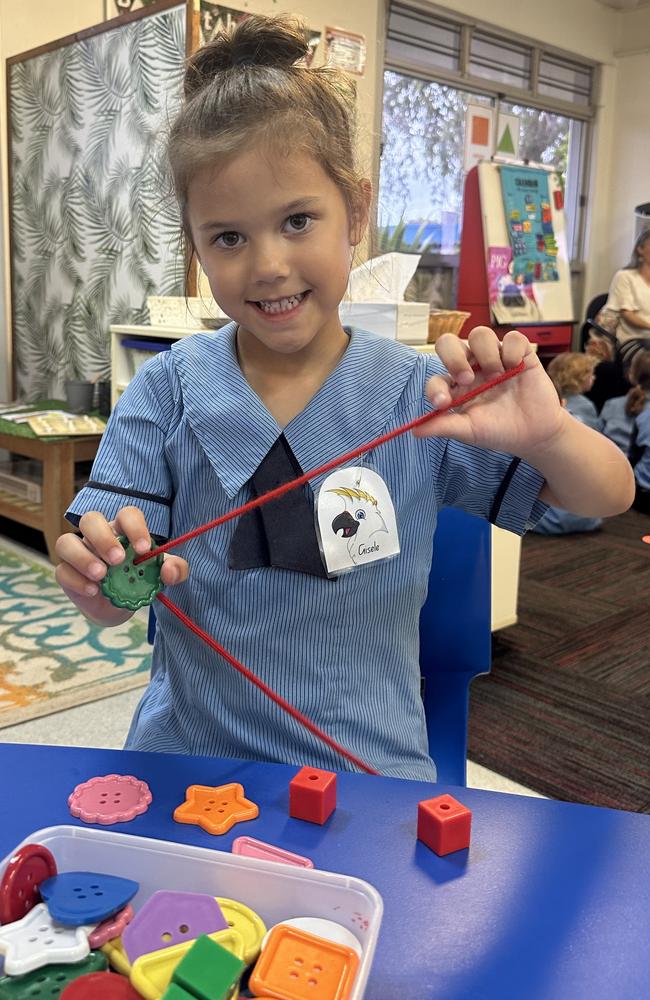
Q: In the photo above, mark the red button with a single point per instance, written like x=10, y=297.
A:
x=29, y=866
x=100, y=986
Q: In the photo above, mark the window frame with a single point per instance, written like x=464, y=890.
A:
x=463, y=79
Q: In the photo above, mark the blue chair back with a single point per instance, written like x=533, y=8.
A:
x=455, y=635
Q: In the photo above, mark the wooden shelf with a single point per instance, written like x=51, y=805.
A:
x=59, y=458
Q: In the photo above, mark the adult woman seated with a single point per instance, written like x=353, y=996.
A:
x=629, y=297
x=627, y=315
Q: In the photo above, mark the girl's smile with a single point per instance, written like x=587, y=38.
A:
x=283, y=309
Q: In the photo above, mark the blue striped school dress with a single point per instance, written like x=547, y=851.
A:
x=615, y=423
x=182, y=445
x=642, y=445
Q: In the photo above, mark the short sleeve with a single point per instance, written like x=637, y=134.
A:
x=622, y=293
x=501, y=488
x=131, y=468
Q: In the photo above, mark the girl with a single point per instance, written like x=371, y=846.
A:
x=262, y=155
x=618, y=415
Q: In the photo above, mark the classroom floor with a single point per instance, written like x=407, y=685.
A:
x=105, y=723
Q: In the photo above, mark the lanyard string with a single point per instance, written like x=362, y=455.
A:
x=269, y=692
x=274, y=495
x=293, y=484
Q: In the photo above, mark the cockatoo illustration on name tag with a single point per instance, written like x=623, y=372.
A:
x=356, y=519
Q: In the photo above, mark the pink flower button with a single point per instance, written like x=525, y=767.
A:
x=113, y=798
x=110, y=928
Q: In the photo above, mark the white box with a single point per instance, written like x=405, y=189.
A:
x=176, y=310
x=276, y=892
x=22, y=478
x=406, y=321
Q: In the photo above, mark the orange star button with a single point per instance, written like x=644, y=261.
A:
x=215, y=810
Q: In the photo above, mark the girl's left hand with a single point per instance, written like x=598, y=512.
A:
x=519, y=416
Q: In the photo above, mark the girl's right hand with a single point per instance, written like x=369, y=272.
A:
x=84, y=560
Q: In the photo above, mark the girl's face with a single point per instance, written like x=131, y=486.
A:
x=274, y=238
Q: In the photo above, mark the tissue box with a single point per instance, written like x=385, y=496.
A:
x=406, y=321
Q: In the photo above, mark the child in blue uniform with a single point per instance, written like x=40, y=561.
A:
x=640, y=457
x=619, y=414
x=262, y=155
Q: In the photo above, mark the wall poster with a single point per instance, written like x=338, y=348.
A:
x=529, y=219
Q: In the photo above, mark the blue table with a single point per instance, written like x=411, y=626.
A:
x=551, y=901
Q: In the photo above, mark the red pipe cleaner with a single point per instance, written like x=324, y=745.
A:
x=274, y=495
x=273, y=695
x=333, y=464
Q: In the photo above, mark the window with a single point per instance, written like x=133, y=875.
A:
x=435, y=66
x=495, y=58
x=424, y=38
x=565, y=80
x=421, y=171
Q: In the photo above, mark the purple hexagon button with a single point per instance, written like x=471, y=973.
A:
x=169, y=918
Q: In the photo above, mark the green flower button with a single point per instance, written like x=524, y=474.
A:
x=129, y=586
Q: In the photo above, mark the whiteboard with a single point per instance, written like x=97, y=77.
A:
x=553, y=298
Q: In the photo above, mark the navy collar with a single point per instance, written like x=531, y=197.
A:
x=236, y=430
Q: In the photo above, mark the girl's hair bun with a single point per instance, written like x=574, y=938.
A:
x=255, y=41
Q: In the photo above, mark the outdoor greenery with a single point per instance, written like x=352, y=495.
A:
x=422, y=175
x=95, y=227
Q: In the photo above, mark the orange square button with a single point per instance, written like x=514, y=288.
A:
x=295, y=965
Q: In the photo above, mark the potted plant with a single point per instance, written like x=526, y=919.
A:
x=86, y=358
x=79, y=391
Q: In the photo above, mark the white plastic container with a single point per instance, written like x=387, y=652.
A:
x=274, y=891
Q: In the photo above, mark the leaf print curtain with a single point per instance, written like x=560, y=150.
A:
x=95, y=228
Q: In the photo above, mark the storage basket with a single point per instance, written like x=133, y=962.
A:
x=445, y=321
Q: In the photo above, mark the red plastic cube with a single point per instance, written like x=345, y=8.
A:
x=444, y=824
x=312, y=795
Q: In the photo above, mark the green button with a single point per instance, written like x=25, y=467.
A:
x=129, y=586
x=49, y=982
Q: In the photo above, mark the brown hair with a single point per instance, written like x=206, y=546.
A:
x=639, y=375
x=640, y=242
x=570, y=370
x=247, y=86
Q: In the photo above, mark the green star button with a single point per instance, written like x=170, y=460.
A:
x=130, y=586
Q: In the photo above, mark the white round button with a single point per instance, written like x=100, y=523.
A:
x=327, y=929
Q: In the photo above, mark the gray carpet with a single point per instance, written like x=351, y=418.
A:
x=566, y=708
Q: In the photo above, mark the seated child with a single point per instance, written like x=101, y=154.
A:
x=573, y=375
x=639, y=452
x=618, y=415
x=642, y=463
x=273, y=205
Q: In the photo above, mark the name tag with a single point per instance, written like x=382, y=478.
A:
x=355, y=519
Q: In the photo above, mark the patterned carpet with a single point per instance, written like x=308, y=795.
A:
x=51, y=657
x=566, y=708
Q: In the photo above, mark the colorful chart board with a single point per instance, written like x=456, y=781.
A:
x=524, y=232
x=527, y=204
